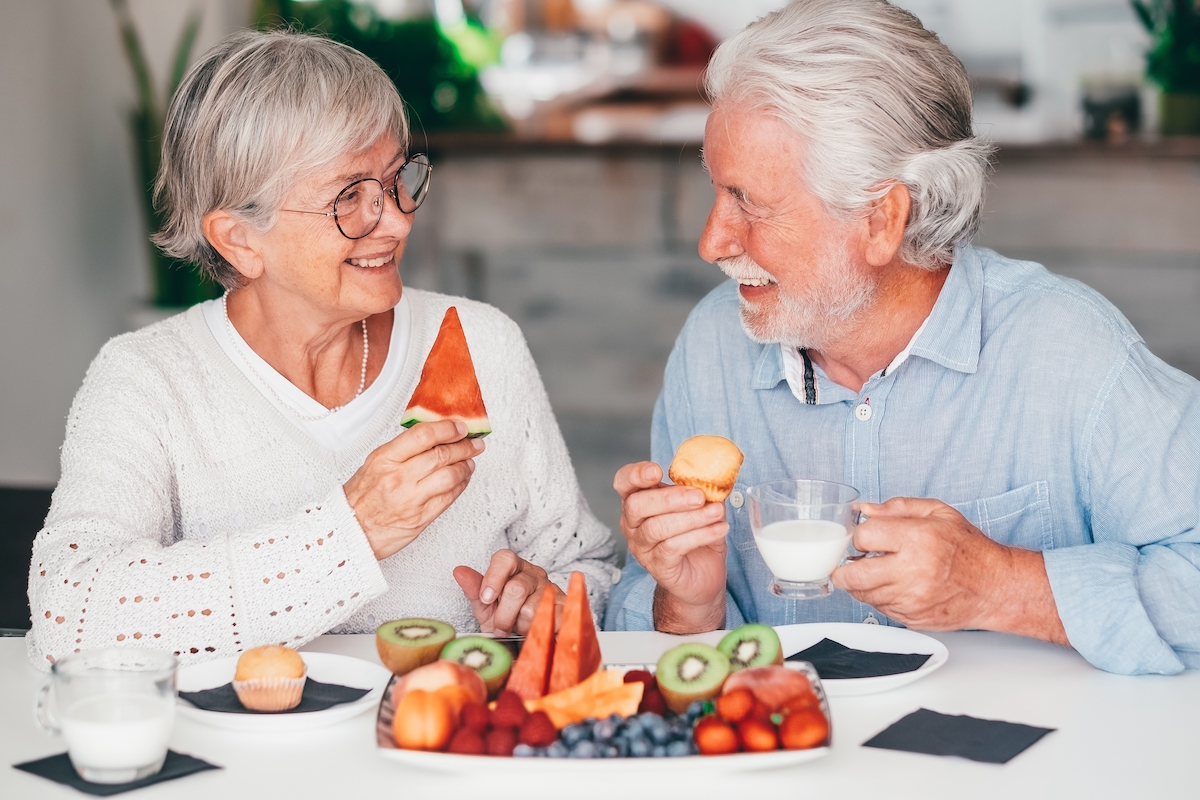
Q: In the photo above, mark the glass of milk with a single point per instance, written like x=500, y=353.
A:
x=803, y=530
x=115, y=708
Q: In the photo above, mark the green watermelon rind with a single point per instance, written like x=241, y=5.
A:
x=477, y=428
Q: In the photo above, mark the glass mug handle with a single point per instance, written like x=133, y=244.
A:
x=42, y=714
x=854, y=554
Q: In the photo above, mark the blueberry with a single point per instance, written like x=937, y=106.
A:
x=659, y=751
x=659, y=734
x=585, y=749
x=695, y=709
x=557, y=750
x=634, y=727
x=616, y=719
x=605, y=729
x=622, y=746
x=640, y=747
x=608, y=751
x=677, y=748
x=523, y=751
x=648, y=718
x=573, y=734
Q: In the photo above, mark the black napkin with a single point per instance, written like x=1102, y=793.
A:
x=317, y=697
x=988, y=740
x=833, y=660
x=58, y=769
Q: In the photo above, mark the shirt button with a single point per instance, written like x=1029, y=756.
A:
x=616, y=575
x=870, y=620
x=737, y=499
x=863, y=412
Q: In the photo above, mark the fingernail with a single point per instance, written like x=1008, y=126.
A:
x=488, y=595
x=470, y=465
x=477, y=444
x=461, y=427
x=696, y=497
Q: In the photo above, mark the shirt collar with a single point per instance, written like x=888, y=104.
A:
x=954, y=331
x=951, y=335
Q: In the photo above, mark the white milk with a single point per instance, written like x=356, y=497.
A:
x=803, y=549
x=118, y=731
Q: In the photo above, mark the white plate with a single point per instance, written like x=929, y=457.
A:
x=523, y=767
x=872, y=638
x=527, y=767
x=323, y=667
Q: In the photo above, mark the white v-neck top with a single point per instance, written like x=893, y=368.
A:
x=334, y=431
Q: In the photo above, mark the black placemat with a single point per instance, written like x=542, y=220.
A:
x=58, y=769
x=317, y=697
x=988, y=740
x=833, y=660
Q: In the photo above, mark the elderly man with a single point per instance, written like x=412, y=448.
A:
x=863, y=340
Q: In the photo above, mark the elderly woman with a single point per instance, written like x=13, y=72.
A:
x=237, y=475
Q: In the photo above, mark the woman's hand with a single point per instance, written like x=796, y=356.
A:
x=407, y=483
x=505, y=599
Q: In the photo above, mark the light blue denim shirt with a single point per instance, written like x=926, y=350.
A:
x=1029, y=403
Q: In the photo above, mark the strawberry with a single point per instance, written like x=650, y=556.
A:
x=509, y=711
x=652, y=700
x=757, y=736
x=800, y=702
x=640, y=676
x=735, y=706
x=803, y=729
x=467, y=742
x=500, y=741
x=475, y=717
x=714, y=737
x=538, y=730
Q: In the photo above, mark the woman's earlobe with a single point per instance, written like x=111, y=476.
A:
x=230, y=237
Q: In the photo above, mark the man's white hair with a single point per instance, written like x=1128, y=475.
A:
x=879, y=100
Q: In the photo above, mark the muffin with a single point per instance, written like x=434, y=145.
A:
x=269, y=678
x=709, y=463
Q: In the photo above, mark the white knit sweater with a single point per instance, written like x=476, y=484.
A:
x=192, y=517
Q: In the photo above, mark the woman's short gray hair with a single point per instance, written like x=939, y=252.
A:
x=879, y=100
x=257, y=113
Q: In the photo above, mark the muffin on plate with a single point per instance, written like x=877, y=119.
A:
x=708, y=463
x=270, y=678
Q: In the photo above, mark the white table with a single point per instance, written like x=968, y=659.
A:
x=1117, y=737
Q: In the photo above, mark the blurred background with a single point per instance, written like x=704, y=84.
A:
x=567, y=191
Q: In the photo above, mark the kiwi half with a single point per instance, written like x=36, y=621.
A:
x=490, y=659
x=690, y=672
x=405, y=644
x=752, y=645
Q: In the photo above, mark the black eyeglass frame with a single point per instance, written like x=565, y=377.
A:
x=418, y=197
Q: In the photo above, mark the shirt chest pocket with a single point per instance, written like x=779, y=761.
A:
x=1019, y=518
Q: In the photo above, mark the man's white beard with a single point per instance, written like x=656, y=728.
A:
x=839, y=292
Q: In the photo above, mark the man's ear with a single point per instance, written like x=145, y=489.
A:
x=886, y=224
x=231, y=238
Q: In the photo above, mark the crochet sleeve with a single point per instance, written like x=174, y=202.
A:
x=558, y=532
x=107, y=569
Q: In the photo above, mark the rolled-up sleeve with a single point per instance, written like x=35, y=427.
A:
x=1130, y=600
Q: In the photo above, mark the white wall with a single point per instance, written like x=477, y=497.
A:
x=72, y=260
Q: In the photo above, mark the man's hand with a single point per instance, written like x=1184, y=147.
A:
x=504, y=600
x=680, y=540
x=408, y=482
x=939, y=572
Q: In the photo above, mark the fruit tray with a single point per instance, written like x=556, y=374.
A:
x=460, y=764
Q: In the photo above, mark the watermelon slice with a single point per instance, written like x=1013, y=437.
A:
x=577, y=649
x=531, y=674
x=448, y=388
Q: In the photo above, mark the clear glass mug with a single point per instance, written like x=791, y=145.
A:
x=115, y=708
x=803, y=529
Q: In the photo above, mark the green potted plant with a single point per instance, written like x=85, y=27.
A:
x=1174, y=61
x=175, y=283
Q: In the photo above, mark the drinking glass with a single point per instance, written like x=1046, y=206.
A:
x=115, y=708
x=803, y=529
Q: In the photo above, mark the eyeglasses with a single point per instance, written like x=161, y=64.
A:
x=359, y=207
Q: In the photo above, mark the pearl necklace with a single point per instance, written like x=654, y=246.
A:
x=362, y=379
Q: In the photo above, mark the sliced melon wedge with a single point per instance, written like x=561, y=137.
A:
x=448, y=388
